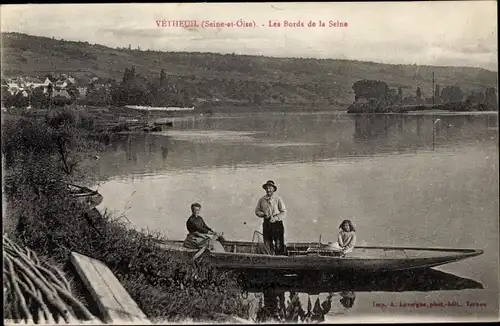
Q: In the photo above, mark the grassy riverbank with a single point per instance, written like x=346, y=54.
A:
x=40, y=157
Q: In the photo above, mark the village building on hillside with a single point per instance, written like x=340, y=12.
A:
x=61, y=84
x=60, y=92
x=13, y=88
x=82, y=92
x=16, y=84
x=44, y=85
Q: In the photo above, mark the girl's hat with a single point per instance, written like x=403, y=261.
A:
x=270, y=183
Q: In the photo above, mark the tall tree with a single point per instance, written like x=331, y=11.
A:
x=163, y=77
x=39, y=99
x=451, y=94
x=436, y=90
x=370, y=89
x=491, y=98
x=50, y=90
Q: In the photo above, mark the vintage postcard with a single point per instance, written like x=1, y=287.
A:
x=250, y=162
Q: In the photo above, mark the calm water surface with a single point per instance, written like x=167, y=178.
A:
x=404, y=180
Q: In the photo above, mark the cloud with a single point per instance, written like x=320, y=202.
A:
x=132, y=32
x=480, y=46
x=411, y=32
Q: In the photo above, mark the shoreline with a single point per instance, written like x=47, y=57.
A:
x=375, y=106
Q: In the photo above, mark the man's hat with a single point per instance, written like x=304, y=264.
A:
x=270, y=183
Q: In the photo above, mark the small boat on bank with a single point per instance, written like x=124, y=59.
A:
x=85, y=195
x=302, y=257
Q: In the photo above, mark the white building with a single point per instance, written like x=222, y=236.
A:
x=13, y=88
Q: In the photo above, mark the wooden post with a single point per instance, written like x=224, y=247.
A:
x=433, y=90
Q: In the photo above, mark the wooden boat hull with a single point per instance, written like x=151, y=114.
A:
x=85, y=196
x=244, y=255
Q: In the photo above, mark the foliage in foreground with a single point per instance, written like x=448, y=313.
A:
x=40, y=158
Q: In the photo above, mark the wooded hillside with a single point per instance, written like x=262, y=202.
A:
x=229, y=78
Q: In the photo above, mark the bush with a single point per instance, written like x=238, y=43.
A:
x=39, y=154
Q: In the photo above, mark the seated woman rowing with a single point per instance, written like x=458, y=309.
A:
x=200, y=235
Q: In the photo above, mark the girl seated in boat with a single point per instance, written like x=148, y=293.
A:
x=200, y=235
x=346, y=239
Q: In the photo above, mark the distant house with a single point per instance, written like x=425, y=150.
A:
x=105, y=87
x=29, y=81
x=82, y=92
x=16, y=80
x=61, y=93
x=13, y=88
x=61, y=97
x=44, y=85
x=61, y=84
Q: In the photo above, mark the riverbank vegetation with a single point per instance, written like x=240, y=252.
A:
x=40, y=157
x=374, y=96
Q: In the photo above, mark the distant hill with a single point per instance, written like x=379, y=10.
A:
x=230, y=78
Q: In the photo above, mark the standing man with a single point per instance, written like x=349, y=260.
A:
x=272, y=209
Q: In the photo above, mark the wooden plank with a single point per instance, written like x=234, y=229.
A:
x=119, y=291
x=92, y=280
x=112, y=299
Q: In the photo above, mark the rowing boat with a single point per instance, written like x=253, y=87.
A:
x=85, y=196
x=315, y=257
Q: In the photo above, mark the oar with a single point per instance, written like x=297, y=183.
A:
x=200, y=252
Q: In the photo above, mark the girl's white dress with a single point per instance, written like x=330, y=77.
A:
x=345, y=240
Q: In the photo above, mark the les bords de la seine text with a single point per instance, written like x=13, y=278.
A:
x=241, y=23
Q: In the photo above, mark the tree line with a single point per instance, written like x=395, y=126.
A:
x=379, y=91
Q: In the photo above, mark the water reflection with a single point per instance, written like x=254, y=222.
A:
x=164, y=152
x=272, y=290
x=370, y=126
x=347, y=299
x=227, y=142
x=274, y=308
x=382, y=132
x=412, y=280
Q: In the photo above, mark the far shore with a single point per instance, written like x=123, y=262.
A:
x=430, y=112
x=458, y=107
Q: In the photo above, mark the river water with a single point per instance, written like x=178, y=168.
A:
x=428, y=180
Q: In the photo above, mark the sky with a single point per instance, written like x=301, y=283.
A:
x=448, y=33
